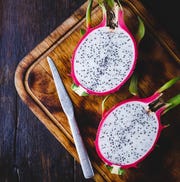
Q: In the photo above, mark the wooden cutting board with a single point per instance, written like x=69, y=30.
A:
x=158, y=61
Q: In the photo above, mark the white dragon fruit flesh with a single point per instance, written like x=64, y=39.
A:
x=128, y=132
x=105, y=57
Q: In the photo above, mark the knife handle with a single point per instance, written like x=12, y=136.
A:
x=81, y=150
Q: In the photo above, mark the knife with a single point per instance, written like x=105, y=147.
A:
x=67, y=107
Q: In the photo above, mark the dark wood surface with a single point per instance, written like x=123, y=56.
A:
x=28, y=151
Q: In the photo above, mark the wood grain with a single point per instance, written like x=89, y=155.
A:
x=28, y=151
x=157, y=63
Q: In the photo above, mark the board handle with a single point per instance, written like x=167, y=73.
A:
x=81, y=150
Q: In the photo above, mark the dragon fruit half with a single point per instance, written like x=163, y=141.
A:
x=105, y=57
x=128, y=132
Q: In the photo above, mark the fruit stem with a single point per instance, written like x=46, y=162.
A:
x=112, y=9
x=156, y=104
x=88, y=14
x=79, y=90
x=168, y=84
x=171, y=103
x=159, y=103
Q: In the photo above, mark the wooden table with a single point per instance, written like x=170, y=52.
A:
x=28, y=151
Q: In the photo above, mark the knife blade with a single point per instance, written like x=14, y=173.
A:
x=68, y=109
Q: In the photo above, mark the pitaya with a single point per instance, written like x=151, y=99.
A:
x=128, y=132
x=105, y=57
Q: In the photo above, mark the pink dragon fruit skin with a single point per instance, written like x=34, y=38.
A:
x=129, y=131
x=146, y=102
x=86, y=74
